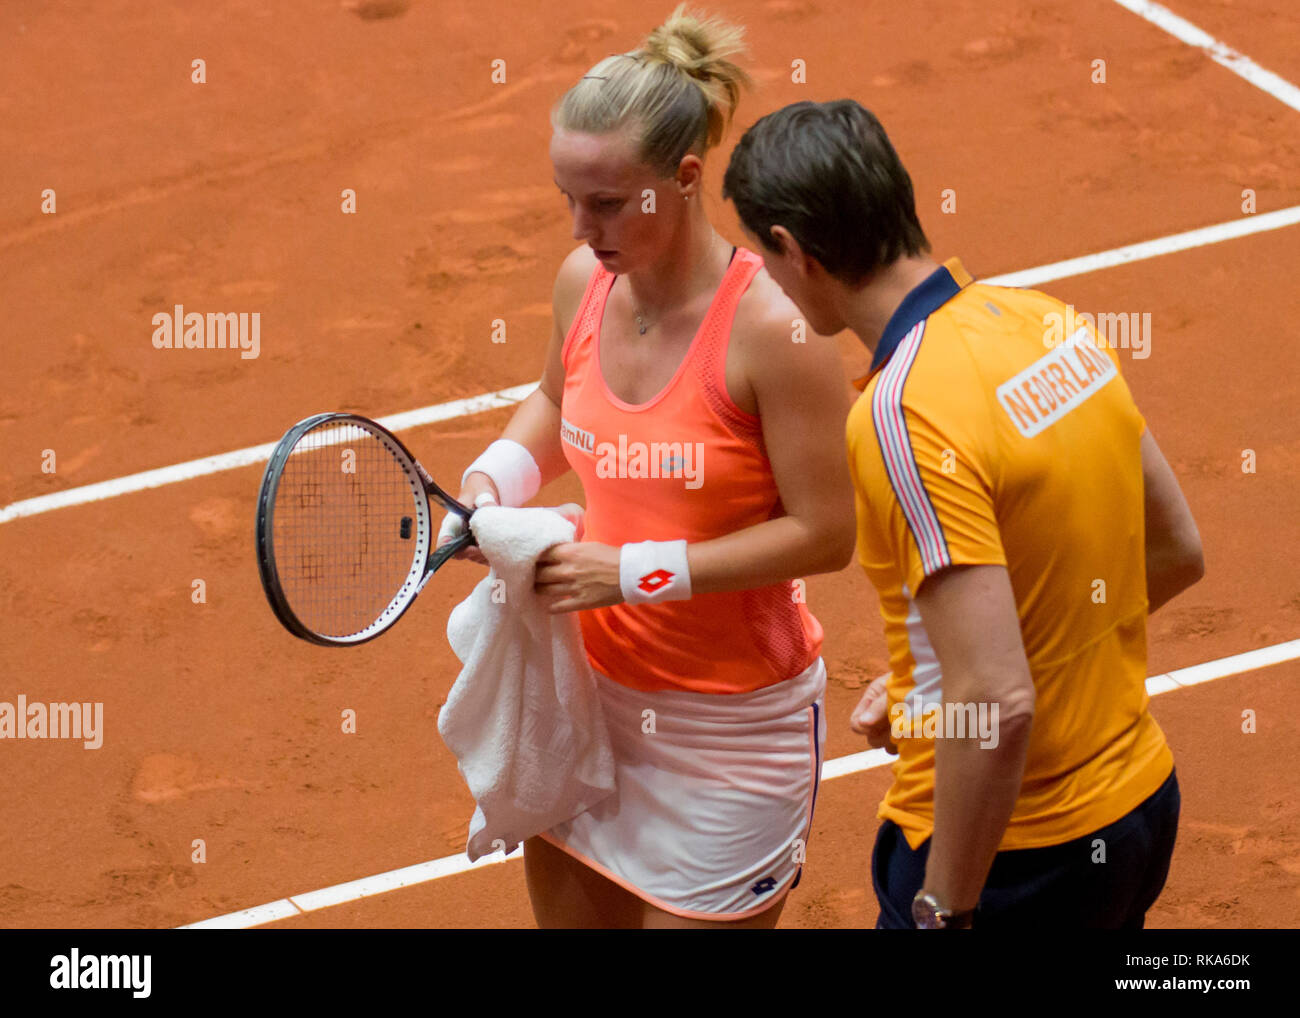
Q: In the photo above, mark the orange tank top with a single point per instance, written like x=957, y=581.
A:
x=687, y=464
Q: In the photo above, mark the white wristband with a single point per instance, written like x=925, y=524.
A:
x=512, y=469
x=654, y=571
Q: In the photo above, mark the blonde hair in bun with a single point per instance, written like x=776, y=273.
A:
x=678, y=91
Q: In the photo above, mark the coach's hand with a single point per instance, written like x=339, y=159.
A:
x=571, y=577
x=869, y=717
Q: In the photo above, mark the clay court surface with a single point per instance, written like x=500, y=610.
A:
x=225, y=196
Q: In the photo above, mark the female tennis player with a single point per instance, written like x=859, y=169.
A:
x=709, y=438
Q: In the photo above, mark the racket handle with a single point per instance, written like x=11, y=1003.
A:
x=439, y=557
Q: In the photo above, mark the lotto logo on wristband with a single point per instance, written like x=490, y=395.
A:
x=654, y=571
x=657, y=580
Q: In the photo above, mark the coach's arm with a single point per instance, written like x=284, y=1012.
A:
x=1173, y=545
x=970, y=615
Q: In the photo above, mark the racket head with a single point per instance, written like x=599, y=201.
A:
x=345, y=529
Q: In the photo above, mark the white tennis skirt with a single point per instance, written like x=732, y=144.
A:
x=714, y=799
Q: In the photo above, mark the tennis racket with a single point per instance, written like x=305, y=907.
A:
x=345, y=534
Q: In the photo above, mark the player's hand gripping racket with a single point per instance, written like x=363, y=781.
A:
x=345, y=538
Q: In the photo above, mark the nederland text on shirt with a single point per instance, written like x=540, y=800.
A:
x=1055, y=384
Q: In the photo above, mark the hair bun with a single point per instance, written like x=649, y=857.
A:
x=695, y=43
x=699, y=45
x=682, y=42
x=679, y=88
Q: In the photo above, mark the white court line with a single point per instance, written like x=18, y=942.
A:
x=1221, y=53
x=507, y=397
x=253, y=454
x=450, y=865
x=1218, y=233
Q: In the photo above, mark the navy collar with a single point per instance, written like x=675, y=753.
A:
x=924, y=299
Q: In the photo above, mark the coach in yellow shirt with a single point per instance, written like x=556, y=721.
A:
x=1018, y=522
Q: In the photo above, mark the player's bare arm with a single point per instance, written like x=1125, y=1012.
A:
x=970, y=615
x=799, y=391
x=536, y=422
x=1173, y=544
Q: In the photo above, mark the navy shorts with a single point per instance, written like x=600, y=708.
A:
x=1059, y=885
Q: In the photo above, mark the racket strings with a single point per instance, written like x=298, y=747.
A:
x=340, y=552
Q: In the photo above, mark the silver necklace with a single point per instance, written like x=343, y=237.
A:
x=641, y=324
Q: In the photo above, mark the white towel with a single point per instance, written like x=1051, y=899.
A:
x=523, y=717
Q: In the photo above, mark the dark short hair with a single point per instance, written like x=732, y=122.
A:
x=828, y=174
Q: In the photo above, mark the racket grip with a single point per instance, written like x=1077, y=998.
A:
x=446, y=551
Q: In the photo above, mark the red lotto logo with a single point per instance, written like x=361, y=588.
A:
x=651, y=582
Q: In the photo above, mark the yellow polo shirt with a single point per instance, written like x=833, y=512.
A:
x=985, y=436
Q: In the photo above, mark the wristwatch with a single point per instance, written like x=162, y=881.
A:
x=928, y=914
